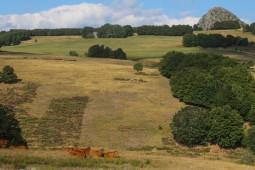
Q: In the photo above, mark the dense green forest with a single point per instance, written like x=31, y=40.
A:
x=222, y=86
x=213, y=41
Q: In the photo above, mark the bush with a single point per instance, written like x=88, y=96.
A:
x=248, y=140
x=226, y=127
x=9, y=126
x=73, y=53
x=190, y=126
x=119, y=54
x=8, y=76
x=189, y=40
x=106, y=52
x=138, y=67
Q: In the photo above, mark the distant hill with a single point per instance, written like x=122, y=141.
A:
x=217, y=14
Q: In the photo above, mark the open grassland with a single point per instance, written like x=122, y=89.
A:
x=58, y=160
x=136, y=47
x=119, y=113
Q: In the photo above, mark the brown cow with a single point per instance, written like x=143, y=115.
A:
x=97, y=153
x=113, y=154
x=3, y=143
x=12, y=147
x=85, y=151
x=76, y=152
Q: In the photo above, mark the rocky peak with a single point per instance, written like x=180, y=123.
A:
x=217, y=14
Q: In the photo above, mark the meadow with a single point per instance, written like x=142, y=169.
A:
x=118, y=109
x=136, y=47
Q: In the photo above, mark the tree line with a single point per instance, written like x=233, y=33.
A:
x=222, y=93
x=226, y=25
x=213, y=41
x=249, y=28
x=164, y=30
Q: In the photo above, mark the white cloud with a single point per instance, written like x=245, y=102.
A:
x=128, y=12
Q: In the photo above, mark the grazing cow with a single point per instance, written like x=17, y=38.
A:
x=97, y=153
x=12, y=147
x=85, y=151
x=76, y=152
x=3, y=143
x=113, y=154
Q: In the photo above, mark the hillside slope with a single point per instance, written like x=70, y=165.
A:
x=120, y=113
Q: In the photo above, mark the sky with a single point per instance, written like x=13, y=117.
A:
x=31, y=14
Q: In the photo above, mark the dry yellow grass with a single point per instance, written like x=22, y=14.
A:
x=158, y=161
x=120, y=114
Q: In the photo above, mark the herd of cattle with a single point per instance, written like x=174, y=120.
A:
x=87, y=152
x=79, y=152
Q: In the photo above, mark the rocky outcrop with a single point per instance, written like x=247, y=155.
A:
x=217, y=14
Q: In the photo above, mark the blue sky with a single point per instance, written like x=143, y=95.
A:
x=51, y=13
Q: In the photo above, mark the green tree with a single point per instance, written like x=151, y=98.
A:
x=249, y=139
x=9, y=127
x=190, y=126
x=189, y=40
x=8, y=75
x=73, y=53
x=119, y=54
x=87, y=31
x=138, y=67
x=226, y=127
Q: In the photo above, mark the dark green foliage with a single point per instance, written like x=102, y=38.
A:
x=138, y=67
x=226, y=25
x=87, y=31
x=189, y=40
x=119, y=54
x=9, y=127
x=213, y=41
x=211, y=81
x=176, y=61
x=252, y=28
x=175, y=30
x=73, y=53
x=190, y=126
x=197, y=28
x=128, y=31
x=106, y=52
x=114, y=31
x=14, y=37
x=56, y=32
x=8, y=76
x=249, y=139
x=226, y=127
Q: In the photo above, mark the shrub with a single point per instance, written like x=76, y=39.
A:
x=138, y=67
x=73, y=53
x=190, y=126
x=226, y=127
x=189, y=40
x=9, y=126
x=119, y=54
x=248, y=140
x=8, y=76
x=100, y=51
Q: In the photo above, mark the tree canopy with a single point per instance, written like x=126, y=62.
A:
x=100, y=51
x=9, y=127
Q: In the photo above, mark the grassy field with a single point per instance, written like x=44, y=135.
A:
x=102, y=103
x=119, y=114
x=136, y=47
